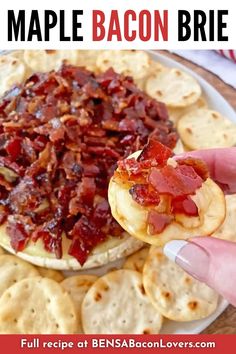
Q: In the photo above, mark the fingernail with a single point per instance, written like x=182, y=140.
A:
x=189, y=256
x=172, y=248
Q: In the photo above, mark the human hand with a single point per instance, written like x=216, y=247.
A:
x=209, y=259
x=221, y=163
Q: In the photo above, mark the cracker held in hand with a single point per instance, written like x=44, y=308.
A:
x=117, y=304
x=204, y=128
x=174, y=293
x=37, y=306
x=12, y=270
x=136, y=261
x=157, y=199
x=173, y=87
x=77, y=286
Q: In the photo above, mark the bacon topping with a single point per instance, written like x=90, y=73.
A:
x=184, y=205
x=153, y=181
x=157, y=222
x=155, y=151
x=179, y=181
x=144, y=195
x=61, y=135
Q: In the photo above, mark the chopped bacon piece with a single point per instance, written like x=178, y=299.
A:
x=101, y=213
x=90, y=170
x=179, y=181
x=85, y=236
x=83, y=200
x=61, y=136
x=144, y=195
x=133, y=170
x=157, y=222
x=39, y=143
x=13, y=148
x=156, y=151
x=19, y=237
x=71, y=163
x=25, y=197
x=184, y=205
x=199, y=166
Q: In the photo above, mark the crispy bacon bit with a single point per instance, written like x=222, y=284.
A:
x=157, y=222
x=156, y=151
x=144, y=195
x=61, y=135
x=177, y=182
x=184, y=205
x=85, y=236
x=199, y=166
x=82, y=202
x=152, y=181
x=13, y=148
x=19, y=236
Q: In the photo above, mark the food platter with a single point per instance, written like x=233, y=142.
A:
x=215, y=102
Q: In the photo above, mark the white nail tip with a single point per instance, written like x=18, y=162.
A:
x=172, y=248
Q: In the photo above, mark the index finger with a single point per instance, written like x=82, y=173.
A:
x=221, y=163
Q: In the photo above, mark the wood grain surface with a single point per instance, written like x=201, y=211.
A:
x=226, y=323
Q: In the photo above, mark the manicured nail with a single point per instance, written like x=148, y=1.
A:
x=189, y=256
x=172, y=248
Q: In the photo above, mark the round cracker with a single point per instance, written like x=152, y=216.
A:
x=88, y=59
x=133, y=217
x=204, y=128
x=176, y=113
x=51, y=274
x=37, y=306
x=77, y=287
x=174, y=293
x=173, y=87
x=133, y=63
x=14, y=269
x=227, y=230
x=136, y=261
x=19, y=54
x=12, y=71
x=111, y=250
x=154, y=67
x=117, y=304
x=47, y=60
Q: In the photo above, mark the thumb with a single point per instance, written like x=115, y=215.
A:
x=209, y=260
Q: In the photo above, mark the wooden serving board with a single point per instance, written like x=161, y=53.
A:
x=226, y=323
